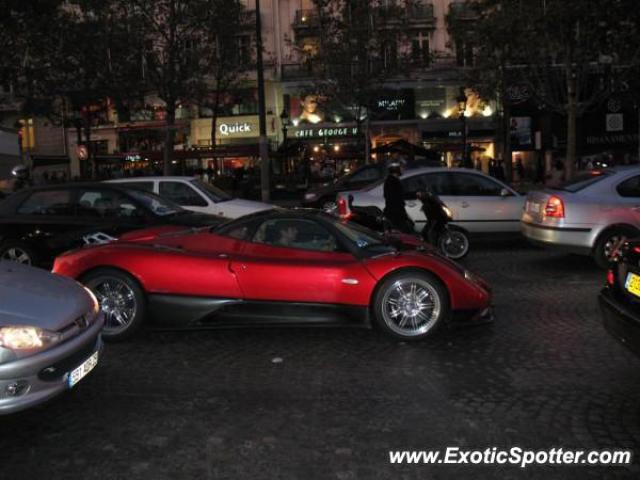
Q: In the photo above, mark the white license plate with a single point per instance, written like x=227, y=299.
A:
x=533, y=207
x=79, y=373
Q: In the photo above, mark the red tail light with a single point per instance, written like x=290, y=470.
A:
x=636, y=249
x=342, y=207
x=610, y=278
x=554, y=207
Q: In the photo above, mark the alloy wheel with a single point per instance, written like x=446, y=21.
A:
x=117, y=302
x=411, y=307
x=17, y=254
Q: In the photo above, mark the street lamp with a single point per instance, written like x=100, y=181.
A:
x=284, y=121
x=462, y=110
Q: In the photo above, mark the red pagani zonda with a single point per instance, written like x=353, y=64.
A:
x=278, y=266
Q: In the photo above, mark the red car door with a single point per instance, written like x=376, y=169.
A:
x=310, y=268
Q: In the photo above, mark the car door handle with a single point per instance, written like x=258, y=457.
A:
x=223, y=255
x=464, y=204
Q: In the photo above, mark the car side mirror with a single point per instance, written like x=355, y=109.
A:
x=505, y=193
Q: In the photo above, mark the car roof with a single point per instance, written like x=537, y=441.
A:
x=59, y=186
x=158, y=177
x=418, y=171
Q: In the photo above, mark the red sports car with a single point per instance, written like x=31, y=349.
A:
x=278, y=266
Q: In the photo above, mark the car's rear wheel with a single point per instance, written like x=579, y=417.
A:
x=609, y=242
x=121, y=300
x=410, y=305
x=17, y=252
x=454, y=243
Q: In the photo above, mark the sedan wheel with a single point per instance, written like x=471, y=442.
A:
x=411, y=306
x=17, y=254
x=121, y=301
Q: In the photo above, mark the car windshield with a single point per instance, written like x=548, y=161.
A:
x=583, y=181
x=158, y=205
x=365, y=239
x=214, y=193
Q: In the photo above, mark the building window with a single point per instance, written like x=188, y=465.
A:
x=244, y=48
x=420, y=53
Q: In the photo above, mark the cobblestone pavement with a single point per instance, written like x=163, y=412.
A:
x=331, y=403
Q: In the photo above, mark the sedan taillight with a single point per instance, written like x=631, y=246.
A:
x=554, y=207
x=342, y=207
x=611, y=279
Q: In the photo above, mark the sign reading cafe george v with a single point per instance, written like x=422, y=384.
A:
x=324, y=132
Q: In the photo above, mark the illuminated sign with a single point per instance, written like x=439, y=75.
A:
x=322, y=132
x=233, y=128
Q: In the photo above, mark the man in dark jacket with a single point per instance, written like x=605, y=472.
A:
x=394, y=209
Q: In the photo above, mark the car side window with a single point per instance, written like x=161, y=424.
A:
x=630, y=187
x=438, y=183
x=296, y=233
x=146, y=186
x=107, y=204
x=182, y=194
x=365, y=175
x=466, y=184
x=48, y=202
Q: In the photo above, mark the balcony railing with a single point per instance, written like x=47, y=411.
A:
x=300, y=71
x=421, y=12
x=248, y=18
x=306, y=19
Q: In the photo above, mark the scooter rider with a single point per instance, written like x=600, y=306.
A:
x=394, y=209
x=437, y=218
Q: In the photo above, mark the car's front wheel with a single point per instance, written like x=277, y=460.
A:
x=121, y=300
x=410, y=305
x=609, y=242
x=18, y=252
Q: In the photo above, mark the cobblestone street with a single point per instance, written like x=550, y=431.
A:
x=331, y=403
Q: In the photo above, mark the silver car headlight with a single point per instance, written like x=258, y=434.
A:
x=19, y=338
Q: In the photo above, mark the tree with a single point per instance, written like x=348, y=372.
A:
x=566, y=52
x=225, y=66
x=360, y=47
x=173, y=54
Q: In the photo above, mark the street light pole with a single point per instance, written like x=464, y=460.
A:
x=462, y=109
x=265, y=167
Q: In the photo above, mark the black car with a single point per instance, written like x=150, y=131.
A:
x=620, y=299
x=38, y=224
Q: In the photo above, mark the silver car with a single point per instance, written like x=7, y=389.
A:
x=49, y=335
x=478, y=203
x=588, y=215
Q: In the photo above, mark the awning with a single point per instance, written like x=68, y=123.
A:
x=407, y=148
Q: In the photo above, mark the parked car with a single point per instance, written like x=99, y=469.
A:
x=280, y=266
x=195, y=195
x=478, y=202
x=49, y=335
x=620, y=299
x=324, y=196
x=39, y=223
x=588, y=215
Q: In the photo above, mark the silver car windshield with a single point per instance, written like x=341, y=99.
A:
x=214, y=193
x=583, y=181
x=158, y=205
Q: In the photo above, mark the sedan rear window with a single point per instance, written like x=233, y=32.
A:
x=583, y=181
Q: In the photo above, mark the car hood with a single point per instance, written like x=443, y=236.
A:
x=31, y=296
x=242, y=207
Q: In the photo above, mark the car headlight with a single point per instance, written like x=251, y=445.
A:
x=96, y=305
x=471, y=277
x=17, y=337
x=310, y=196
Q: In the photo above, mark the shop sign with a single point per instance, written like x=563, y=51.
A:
x=227, y=129
x=322, y=132
x=394, y=105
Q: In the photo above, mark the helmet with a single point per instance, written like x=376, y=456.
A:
x=20, y=172
x=395, y=169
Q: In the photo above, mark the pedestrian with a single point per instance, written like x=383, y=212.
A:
x=519, y=169
x=492, y=168
x=394, y=207
x=499, y=170
x=556, y=175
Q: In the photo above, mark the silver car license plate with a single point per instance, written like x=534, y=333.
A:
x=80, y=372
